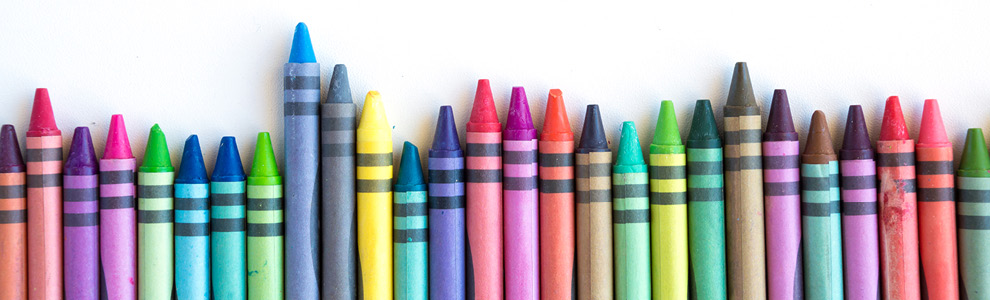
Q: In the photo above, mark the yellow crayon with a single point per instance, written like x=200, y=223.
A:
x=374, y=199
x=668, y=208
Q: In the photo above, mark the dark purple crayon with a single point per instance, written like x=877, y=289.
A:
x=860, y=230
x=782, y=201
x=446, y=201
x=80, y=218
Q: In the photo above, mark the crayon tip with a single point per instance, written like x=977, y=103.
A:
x=410, y=170
x=118, y=146
x=519, y=116
x=302, y=46
x=264, y=164
x=593, y=133
x=892, y=127
x=42, y=118
x=228, y=167
x=630, y=151
x=667, y=132
x=556, y=127
x=11, y=160
x=975, y=159
x=340, y=87
x=780, y=124
x=932, y=132
x=703, y=126
x=445, y=137
x=741, y=89
x=373, y=113
x=82, y=157
x=192, y=169
x=819, y=138
x=156, y=153
x=484, y=117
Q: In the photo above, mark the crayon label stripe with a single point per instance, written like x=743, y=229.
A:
x=409, y=209
x=557, y=186
x=934, y=167
x=80, y=195
x=745, y=136
x=80, y=220
x=374, y=185
x=43, y=181
x=227, y=199
x=154, y=216
x=484, y=176
x=819, y=209
x=519, y=157
x=631, y=191
x=13, y=216
x=117, y=177
x=936, y=194
x=895, y=159
x=859, y=182
x=556, y=160
x=301, y=82
x=781, y=162
x=374, y=159
x=403, y=236
x=630, y=216
x=974, y=196
x=192, y=229
x=734, y=164
x=337, y=124
x=263, y=204
x=595, y=196
x=117, y=202
x=337, y=150
x=781, y=188
x=820, y=184
x=265, y=230
x=446, y=176
x=593, y=170
x=301, y=108
x=859, y=208
x=906, y=185
x=192, y=203
x=704, y=168
x=973, y=222
x=227, y=225
x=44, y=154
x=705, y=194
x=12, y=192
x=454, y=202
x=519, y=183
x=668, y=198
x=668, y=172
x=154, y=191
x=483, y=150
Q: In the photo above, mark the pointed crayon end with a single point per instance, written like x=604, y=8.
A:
x=893, y=126
x=484, y=117
x=445, y=137
x=410, y=169
x=228, y=167
x=340, y=87
x=82, y=157
x=819, y=138
x=932, y=132
x=302, y=46
x=156, y=153
x=118, y=146
x=192, y=169
x=373, y=113
x=556, y=126
x=42, y=117
x=11, y=160
x=264, y=164
x=780, y=119
x=630, y=151
x=856, y=136
x=667, y=132
x=519, y=116
x=703, y=125
x=593, y=133
x=741, y=88
x=975, y=157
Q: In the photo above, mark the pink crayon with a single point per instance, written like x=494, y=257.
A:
x=781, y=177
x=483, y=162
x=522, y=244
x=44, y=198
x=118, y=219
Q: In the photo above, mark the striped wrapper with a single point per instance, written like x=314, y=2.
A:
x=631, y=225
x=447, y=231
x=44, y=201
x=594, y=220
x=374, y=213
x=192, y=241
x=706, y=219
x=973, y=223
x=668, y=221
x=556, y=186
x=936, y=222
x=227, y=239
x=522, y=251
x=484, y=215
x=822, y=231
x=860, y=231
x=782, y=193
x=265, y=238
x=409, y=234
x=118, y=235
x=745, y=247
x=898, y=219
x=155, y=235
x=80, y=218
x=338, y=220
x=13, y=236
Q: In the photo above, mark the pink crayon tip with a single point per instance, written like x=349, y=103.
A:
x=932, y=132
x=556, y=127
x=484, y=117
x=893, y=128
x=42, y=117
x=118, y=146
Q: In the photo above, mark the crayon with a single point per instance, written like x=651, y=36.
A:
x=820, y=221
x=192, y=224
x=410, y=228
x=593, y=160
x=44, y=201
x=556, y=186
x=668, y=208
x=974, y=211
x=13, y=218
x=521, y=209
x=744, y=230
x=484, y=198
x=374, y=197
x=80, y=219
x=706, y=205
x=898, y=207
x=227, y=224
x=936, y=207
x=631, y=218
x=154, y=220
x=860, y=231
x=302, y=162
x=265, y=235
x=782, y=194
x=118, y=218
x=339, y=224
x=446, y=204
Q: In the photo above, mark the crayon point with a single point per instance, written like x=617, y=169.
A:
x=741, y=89
x=819, y=138
x=630, y=151
x=82, y=158
x=703, y=126
x=856, y=136
x=483, y=113
x=519, y=116
x=410, y=169
x=11, y=160
x=780, y=124
x=228, y=167
x=373, y=113
x=42, y=117
x=340, y=87
x=445, y=137
x=593, y=133
x=302, y=46
x=156, y=153
x=893, y=126
x=932, y=131
x=118, y=146
x=975, y=158
x=192, y=169
x=264, y=164
x=667, y=132
x=556, y=127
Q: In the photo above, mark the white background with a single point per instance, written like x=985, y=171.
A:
x=214, y=68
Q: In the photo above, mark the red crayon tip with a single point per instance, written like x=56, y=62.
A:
x=893, y=127
x=484, y=117
x=42, y=117
x=556, y=127
x=118, y=146
x=932, y=132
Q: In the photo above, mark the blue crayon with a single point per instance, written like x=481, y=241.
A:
x=227, y=223
x=446, y=197
x=192, y=224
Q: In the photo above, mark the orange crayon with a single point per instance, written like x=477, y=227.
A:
x=13, y=218
x=556, y=160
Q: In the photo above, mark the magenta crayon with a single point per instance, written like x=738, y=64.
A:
x=118, y=219
x=522, y=248
x=13, y=218
x=483, y=164
x=860, y=231
x=80, y=218
x=44, y=198
x=782, y=198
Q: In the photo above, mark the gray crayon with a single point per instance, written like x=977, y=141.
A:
x=339, y=232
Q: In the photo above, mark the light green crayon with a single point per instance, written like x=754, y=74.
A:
x=265, y=235
x=631, y=218
x=156, y=251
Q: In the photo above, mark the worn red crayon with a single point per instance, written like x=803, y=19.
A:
x=936, y=207
x=898, y=207
x=483, y=162
x=13, y=218
x=81, y=219
x=556, y=160
x=44, y=198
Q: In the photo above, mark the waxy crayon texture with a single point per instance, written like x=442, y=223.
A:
x=155, y=235
x=227, y=239
x=821, y=236
x=192, y=240
x=484, y=214
x=412, y=277
x=521, y=219
x=80, y=218
x=631, y=218
x=44, y=202
x=898, y=219
x=594, y=220
x=118, y=232
x=781, y=177
x=860, y=241
x=374, y=200
x=706, y=206
x=338, y=216
x=556, y=205
x=936, y=221
x=668, y=220
x=13, y=218
x=447, y=220
x=265, y=233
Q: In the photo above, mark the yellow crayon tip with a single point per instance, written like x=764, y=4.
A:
x=373, y=114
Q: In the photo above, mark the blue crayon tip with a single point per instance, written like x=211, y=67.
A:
x=445, y=138
x=82, y=157
x=340, y=87
x=228, y=167
x=410, y=170
x=593, y=134
x=192, y=169
x=302, y=46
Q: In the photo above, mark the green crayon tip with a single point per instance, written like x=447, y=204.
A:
x=704, y=129
x=156, y=158
x=264, y=164
x=630, y=157
x=410, y=170
x=667, y=132
x=975, y=160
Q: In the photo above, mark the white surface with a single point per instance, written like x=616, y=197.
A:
x=214, y=68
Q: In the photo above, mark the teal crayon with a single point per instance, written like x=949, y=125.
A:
x=410, y=228
x=192, y=224
x=820, y=221
x=631, y=218
x=706, y=206
x=227, y=223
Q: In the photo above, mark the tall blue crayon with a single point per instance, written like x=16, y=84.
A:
x=447, y=227
x=338, y=215
x=227, y=223
x=192, y=224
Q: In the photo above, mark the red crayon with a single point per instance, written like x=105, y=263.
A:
x=556, y=161
x=483, y=163
x=44, y=198
x=899, y=264
x=936, y=207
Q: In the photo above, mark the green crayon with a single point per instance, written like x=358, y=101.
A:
x=631, y=218
x=154, y=220
x=265, y=234
x=706, y=206
x=973, y=215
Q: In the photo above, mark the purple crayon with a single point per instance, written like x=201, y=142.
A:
x=782, y=198
x=521, y=210
x=860, y=232
x=118, y=219
x=80, y=219
x=446, y=202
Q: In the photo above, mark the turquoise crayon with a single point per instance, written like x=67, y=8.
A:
x=192, y=224
x=410, y=228
x=227, y=223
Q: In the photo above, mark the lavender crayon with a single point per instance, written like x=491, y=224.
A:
x=446, y=202
x=781, y=175
x=80, y=218
x=860, y=231
x=522, y=247
x=118, y=233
